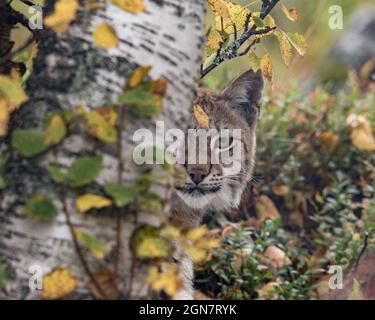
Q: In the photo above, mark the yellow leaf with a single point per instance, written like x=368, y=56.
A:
x=170, y=232
x=266, y=209
x=168, y=281
x=146, y=243
x=105, y=36
x=360, y=132
x=356, y=292
x=199, y=250
x=298, y=42
x=109, y=114
x=31, y=53
x=201, y=116
x=356, y=236
x=266, y=67
x=65, y=12
x=56, y=130
x=132, y=6
x=99, y=127
x=291, y=14
x=195, y=253
x=138, y=75
x=11, y=89
x=198, y=242
x=237, y=16
x=269, y=21
x=11, y=97
x=91, y=201
x=152, y=247
x=196, y=233
x=4, y=115
x=219, y=7
x=213, y=42
x=285, y=47
x=58, y=283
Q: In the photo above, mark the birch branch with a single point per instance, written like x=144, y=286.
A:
x=231, y=51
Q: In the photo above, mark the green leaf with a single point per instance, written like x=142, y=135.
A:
x=356, y=293
x=56, y=130
x=298, y=42
x=146, y=243
x=258, y=21
x=3, y=182
x=84, y=171
x=141, y=102
x=3, y=275
x=41, y=207
x=120, y=194
x=150, y=196
x=94, y=245
x=27, y=142
x=56, y=174
x=268, y=21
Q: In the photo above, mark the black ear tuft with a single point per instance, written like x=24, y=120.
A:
x=244, y=93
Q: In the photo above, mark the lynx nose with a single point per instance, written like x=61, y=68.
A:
x=198, y=173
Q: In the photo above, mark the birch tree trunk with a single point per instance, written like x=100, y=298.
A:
x=70, y=70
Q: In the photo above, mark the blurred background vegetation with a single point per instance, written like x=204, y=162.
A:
x=312, y=23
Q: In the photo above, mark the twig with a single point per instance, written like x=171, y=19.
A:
x=245, y=52
x=78, y=247
x=120, y=170
x=231, y=51
x=247, y=22
x=364, y=247
x=133, y=263
x=131, y=277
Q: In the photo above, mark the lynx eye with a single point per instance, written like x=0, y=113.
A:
x=226, y=143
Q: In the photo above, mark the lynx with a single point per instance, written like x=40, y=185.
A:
x=212, y=186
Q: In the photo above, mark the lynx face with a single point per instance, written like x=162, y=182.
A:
x=219, y=185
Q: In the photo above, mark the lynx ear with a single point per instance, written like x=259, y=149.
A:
x=243, y=95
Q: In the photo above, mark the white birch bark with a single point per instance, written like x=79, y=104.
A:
x=69, y=71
